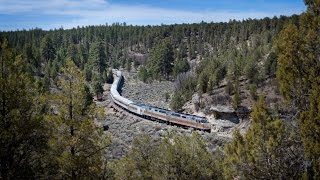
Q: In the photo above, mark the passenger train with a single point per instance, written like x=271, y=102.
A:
x=155, y=113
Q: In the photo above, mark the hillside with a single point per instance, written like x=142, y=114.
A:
x=257, y=81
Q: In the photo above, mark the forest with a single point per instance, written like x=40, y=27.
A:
x=50, y=78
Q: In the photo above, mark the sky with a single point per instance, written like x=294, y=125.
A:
x=50, y=14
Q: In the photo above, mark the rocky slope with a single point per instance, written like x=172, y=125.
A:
x=124, y=127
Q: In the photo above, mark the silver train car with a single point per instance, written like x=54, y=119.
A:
x=155, y=113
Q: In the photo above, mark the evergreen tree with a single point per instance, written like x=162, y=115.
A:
x=265, y=151
x=97, y=57
x=203, y=82
x=177, y=101
x=23, y=140
x=180, y=66
x=175, y=157
x=161, y=60
x=76, y=141
x=310, y=131
x=97, y=88
x=143, y=74
x=236, y=99
x=270, y=66
x=109, y=79
x=298, y=50
x=48, y=51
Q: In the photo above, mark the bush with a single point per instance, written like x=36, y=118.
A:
x=143, y=74
x=253, y=91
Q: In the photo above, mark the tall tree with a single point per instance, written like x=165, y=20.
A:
x=48, y=51
x=161, y=59
x=97, y=57
x=298, y=50
x=22, y=131
x=76, y=142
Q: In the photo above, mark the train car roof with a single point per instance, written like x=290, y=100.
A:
x=184, y=114
x=125, y=100
x=138, y=104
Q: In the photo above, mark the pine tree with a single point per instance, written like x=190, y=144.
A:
x=236, y=99
x=97, y=57
x=23, y=140
x=161, y=60
x=48, y=51
x=76, y=141
x=97, y=88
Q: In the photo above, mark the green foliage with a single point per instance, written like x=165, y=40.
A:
x=210, y=73
x=97, y=88
x=224, y=49
x=185, y=87
x=290, y=74
x=253, y=91
x=87, y=99
x=180, y=66
x=229, y=87
x=203, y=82
x=88, y=73
x=97, y=57
x=143, y=74
x=298, y=74
x=175, y=157
x=177, y=101
x=76, y=142
x=23, y=138
x=265, y=151
x=251, y=72
x=48, y=51
x=161, y=60
x=310, y=130
x=109, y=78
x=270, y=66
x=236, y=99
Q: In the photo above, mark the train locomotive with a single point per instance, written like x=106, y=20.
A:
x=155, y=113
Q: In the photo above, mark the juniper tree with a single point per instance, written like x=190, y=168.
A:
x=298, y=50
x=268, y=150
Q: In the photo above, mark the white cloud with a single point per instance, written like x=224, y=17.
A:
x=92, y=12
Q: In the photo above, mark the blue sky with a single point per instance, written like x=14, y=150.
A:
x=49, y=14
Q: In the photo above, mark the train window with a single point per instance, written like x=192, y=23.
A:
x=156, y=110
x=204, y=121
x=178, y=115
x=184, y=117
